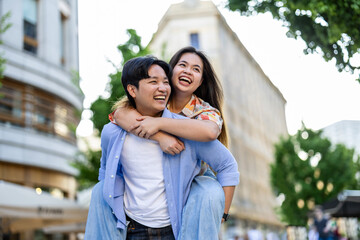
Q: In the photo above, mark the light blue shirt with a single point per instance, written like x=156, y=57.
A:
x=179, y=171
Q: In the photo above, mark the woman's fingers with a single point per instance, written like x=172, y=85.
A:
x=134, y=127
x=141, y=118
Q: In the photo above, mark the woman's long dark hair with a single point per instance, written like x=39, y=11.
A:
x=210, y=90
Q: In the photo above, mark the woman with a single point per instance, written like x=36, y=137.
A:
x=196, y=94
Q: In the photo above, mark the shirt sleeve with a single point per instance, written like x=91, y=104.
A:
x=204, y=111
x=221, y=160
x=111, y=117
x=211, y=114
x=105, y=139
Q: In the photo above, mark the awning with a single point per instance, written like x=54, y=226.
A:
x=21, y=208
x=346, y=204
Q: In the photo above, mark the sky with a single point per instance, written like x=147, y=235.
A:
x=316, y=93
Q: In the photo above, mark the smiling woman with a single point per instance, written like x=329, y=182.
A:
x=187, y=77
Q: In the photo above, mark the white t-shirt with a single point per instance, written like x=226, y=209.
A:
x=144, y=197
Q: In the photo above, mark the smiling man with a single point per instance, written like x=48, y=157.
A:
x=142, y=191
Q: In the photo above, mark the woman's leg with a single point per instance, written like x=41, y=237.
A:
x=203, y=210
x=101, y=222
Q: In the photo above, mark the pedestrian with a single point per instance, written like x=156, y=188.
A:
x=321, y=224
x=254, y=233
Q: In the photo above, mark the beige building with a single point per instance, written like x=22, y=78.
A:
x=254, y=107
x=39, y=108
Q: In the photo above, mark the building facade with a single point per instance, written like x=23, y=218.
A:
x=254, y=108
x=346, y=132
x=40, y=103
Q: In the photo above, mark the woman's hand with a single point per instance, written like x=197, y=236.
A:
x=146, y=126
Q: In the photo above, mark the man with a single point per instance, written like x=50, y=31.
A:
x=142, y=189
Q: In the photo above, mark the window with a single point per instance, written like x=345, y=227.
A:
x=194, y=40
x=30, y=25
x=24, y=105
x=11, y=103
x=62, y=38
x=64, y=15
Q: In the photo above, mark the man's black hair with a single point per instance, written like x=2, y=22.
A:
x=137, y=69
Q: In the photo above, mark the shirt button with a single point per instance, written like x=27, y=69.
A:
x=116, y=156
x=109, y=196
x=112, y=176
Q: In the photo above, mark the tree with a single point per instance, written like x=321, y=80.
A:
x=4, y=25
x=88, y=163
x=102, y=106
x=329, y=27
x=309, y=170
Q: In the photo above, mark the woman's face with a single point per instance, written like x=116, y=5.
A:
x=187, y=74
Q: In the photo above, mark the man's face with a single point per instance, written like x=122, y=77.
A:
x=153, y=93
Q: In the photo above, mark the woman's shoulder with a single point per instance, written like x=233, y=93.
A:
x=197, y=104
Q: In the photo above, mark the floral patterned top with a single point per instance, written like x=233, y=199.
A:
x=198, y=109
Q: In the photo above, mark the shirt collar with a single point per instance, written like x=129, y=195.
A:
x=166, y=113
x=189, y=108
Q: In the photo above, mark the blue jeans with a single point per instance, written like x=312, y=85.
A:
x=201, y=217
x=203, y=211
x=101, y=222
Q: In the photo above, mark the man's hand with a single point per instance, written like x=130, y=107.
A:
x=146, y=126
x=170, y=144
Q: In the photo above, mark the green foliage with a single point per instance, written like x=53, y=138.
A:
x=4, y=25
x=88, y=163
x=330, y=27
x=309, y=170
x=76, y=79
x=102, y=106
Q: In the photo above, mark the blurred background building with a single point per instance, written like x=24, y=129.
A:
x=40, y=102
x=346, y=132
x=254, y=107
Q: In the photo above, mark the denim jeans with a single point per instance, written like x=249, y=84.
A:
x=201, y=217
x=137, y=231
x=203, y=211
x=101, y=222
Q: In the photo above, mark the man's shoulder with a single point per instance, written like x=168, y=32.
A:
x=168, y=114
x=178, y=116
x=110, y=127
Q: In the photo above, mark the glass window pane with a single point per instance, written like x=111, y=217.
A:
x=30, y=11
x=194, y=40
